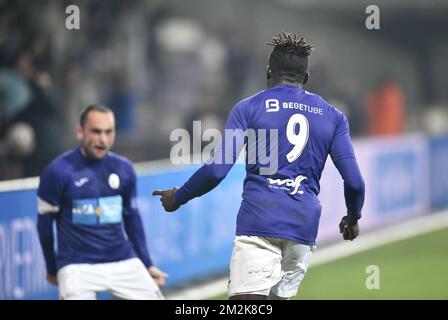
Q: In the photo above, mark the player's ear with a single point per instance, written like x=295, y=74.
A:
x=268, y=72
x=79, y=133
x=306, y=78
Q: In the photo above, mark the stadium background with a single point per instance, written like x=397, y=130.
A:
x=162, y=64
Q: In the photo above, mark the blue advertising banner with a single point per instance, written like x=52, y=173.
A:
x=439, y=172
x=397, y=178
x=192, y=243
x=396, y=175
x=22, y=268
x=404, y=176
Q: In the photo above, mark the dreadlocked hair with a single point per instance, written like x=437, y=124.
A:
x=290, y=56
x=288, y=43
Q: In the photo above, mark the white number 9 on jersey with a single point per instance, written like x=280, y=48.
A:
x=298, y=140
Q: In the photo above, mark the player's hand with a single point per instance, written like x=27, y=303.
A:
x=348, y=229
x=52, y=280
x=167, y=199
x=158, y=275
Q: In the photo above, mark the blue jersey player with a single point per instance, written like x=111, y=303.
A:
x=91, y=194
x=278, y=219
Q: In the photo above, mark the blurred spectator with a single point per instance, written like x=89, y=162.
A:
x=237, y=67
x=122, y=101
x=348, y=100
x=385, y=108
x=435, y=120
x=16, y=139
x=42, y=116
x=206, y=111
x=31, y=130
x=15, y=94
x=77, y=90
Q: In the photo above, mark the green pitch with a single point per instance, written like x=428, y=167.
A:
x=415, y=268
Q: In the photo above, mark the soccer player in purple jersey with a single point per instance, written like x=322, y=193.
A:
x=278, y=219
x=91, y=194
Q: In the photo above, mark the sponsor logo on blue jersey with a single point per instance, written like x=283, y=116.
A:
x=287, y=184
x=81, y=182
x=101, y=210
x=272, y=105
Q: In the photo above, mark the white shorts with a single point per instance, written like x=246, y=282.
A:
x=127, y=279
x=267, y=266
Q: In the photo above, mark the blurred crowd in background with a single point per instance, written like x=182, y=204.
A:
x=162, y=64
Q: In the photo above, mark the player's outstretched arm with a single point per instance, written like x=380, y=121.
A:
x=167, y=199
x=210, y=175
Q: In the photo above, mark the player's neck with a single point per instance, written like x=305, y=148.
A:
x=281, y=82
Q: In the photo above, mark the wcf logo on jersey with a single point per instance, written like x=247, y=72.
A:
x=272, y=105
x=287, y=184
